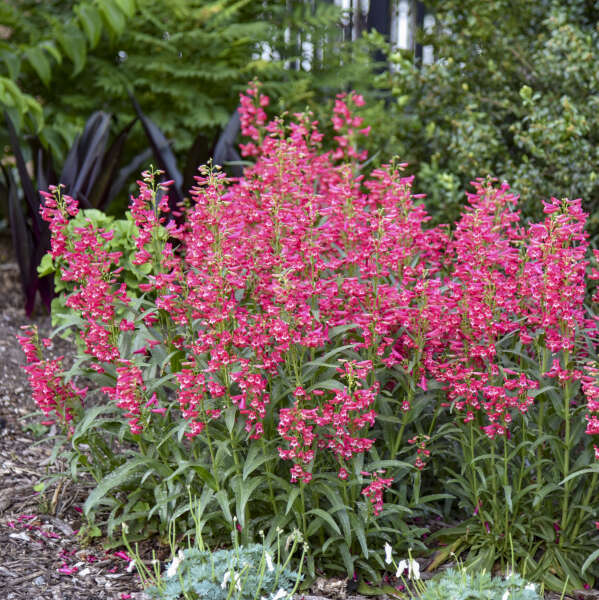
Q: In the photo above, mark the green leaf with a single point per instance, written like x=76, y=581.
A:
x=360, y=533
x=120, y=476
x=347, y=558
x=89, y=420
x=46, y=266
x=243, y=491
x=589, y=561
x=112, y=16
x=507, y=489
x=325, y=516
x=329, y=384
x=127, y=6
x=199, y=470
x=525, y=92
x=91, y=23
x=50, y=48
x=41, y=65
x=223, y=502
x=254, y=459
x=73, y=43
x=593, y=469
x=230, y=414
x=12, y=62
x=291, y=498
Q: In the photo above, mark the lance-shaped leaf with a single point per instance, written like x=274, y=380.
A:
x=22, y=240
x=45, y=285
x=99, y=190
x=125, y=172
x=164, y=156
x=84, y=160
x=225, y=150
x=29, y=190
x=43, y=165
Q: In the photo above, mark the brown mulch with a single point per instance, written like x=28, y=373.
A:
x=44, y=554
x=42, y=557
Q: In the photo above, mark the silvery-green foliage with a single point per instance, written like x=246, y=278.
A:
x=459, y=585
x=211, y=575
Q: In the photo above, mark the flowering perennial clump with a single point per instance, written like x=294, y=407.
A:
x=290, y=306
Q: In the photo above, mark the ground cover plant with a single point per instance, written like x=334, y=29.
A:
x=307, y=353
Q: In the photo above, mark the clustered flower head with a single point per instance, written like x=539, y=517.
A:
x=266, y=269
x=57, y=399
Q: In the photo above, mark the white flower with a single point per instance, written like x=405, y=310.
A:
x=530, y=586
x=233, y=577
x=411, y=566
x=174, y=566
x=388, y=553
x=414, y=572
x=506, y=595
x=131, y=566
x=225, y=580
x=269, y=564
x=280, y=594
x=401, y=567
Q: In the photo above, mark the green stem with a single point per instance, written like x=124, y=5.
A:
x=472, y=470
x=404, y=423
x=212, y=459
x=586, y=502
x=304, y=524
x=494, y=481
x=234, y=450
x=268, y=467
x=505, y=484
x=539, y=446
x=566, y=469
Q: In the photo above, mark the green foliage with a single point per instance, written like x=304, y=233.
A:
x=185, y=61
x=241, y=572
x=512, y=93
x=211, y=575
x=460, y=585
x=122, y=241
x=49, y=42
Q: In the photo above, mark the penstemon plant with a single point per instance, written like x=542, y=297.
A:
x=305, y=353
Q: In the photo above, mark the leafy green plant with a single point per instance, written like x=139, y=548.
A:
x=461, y=585
x=305, y=354
x=242, y=572
x=511, y=93
x=185, y=61
x=124, y=231
x=92, y=173
x=45, y=42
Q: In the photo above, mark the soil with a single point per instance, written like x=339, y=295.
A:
x=44, y=554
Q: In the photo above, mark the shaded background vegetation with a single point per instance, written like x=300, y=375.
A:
x=511, y=90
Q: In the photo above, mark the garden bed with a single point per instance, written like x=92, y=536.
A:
x=39, y=541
